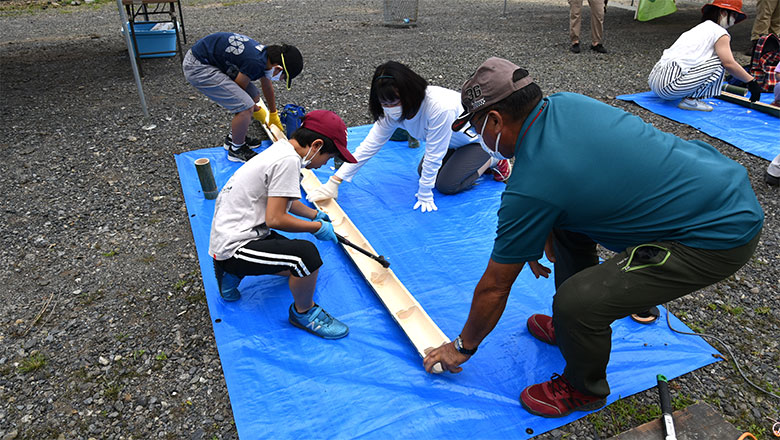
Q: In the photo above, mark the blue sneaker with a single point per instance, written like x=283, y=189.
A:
x=319, y=322
x=228, y=284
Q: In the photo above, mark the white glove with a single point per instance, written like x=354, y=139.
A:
x=425, y=200
x=330, y=190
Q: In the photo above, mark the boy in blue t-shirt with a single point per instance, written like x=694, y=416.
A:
x=223, y=65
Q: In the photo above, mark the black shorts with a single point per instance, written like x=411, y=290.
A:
x=273, y=254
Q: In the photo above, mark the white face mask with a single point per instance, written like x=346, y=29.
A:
x=270, y=74
x=307, y=160
x=727, y=20
x=393, y=113
x=494, y=154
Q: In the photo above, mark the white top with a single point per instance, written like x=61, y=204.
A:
x=239, y=212
x=695, y=46
x=432, y=124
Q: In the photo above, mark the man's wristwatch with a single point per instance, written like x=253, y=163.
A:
x=461, y=350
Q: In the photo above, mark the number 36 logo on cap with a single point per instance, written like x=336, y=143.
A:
x=473, y=93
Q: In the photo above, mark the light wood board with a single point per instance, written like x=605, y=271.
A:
x=421, y=330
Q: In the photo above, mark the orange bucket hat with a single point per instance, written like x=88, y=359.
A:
x=731, y=5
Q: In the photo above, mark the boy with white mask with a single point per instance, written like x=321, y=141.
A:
x=223, y=65
x=694, y=66
x=258, y=200
x=400, y=98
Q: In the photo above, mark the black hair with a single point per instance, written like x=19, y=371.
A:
x=393, y=80
x=306, y=137
x=274, y=53
x=520, y=103
x=712, y=13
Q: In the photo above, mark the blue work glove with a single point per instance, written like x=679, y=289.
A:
x=755, y=90
x=326, y=232
x=321, y=216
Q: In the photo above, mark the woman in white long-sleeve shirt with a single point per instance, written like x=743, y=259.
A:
x=693, y=67
x=400, y=98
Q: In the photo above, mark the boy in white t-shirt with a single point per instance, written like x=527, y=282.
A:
x=258, y=199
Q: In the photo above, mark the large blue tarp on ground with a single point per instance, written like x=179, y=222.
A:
x=749, y=130
x=286, y=383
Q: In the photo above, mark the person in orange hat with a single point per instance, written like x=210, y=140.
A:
x=692, y=69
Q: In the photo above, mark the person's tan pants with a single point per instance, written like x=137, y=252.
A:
x=596, y=20
x=767, y=19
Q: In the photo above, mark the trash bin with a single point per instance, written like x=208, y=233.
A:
x=400, y=13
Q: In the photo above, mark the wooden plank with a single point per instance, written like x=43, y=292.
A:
x=696, y=422
x=745, y=102
x=418, y=326
x=424, y=334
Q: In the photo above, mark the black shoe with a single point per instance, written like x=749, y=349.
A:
x=647, y=317
x=598, y=48
x=249, y=141
x=770, y=179
x=241, y=154
x=575, y=48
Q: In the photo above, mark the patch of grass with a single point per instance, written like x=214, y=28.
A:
x=734, y=311
x=121, y=337
x=681, y=401
x=87, y=298
x=180, y=284
x=197, y=298
x=109, y=254
x=15, y=7
x=34, y=362
x=161, y=356
x=763, y=310
x=624, y=414
x=695, y=328
x=712, y=306
x=111, y=391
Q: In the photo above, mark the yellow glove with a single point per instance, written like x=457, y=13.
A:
x=261, y=115
x=274, y=119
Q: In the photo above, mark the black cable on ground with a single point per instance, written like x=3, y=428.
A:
x=733, y=358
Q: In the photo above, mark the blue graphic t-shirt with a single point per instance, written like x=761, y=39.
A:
x=232, y=53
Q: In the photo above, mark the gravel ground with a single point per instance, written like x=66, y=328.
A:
x=104, y=328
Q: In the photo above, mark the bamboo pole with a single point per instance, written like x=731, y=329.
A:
x=736, y=95
x=206, y=177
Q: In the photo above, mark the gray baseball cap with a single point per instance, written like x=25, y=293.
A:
x=490, y=83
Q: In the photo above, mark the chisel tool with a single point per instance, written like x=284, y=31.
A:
x=378, y=258
x=666, y=408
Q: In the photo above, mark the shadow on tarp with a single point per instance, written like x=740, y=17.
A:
x=749, y=130
x=286, y=383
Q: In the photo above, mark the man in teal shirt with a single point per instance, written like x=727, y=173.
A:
x=679, y=215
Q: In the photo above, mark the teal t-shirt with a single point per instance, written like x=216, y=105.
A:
x=584, y=166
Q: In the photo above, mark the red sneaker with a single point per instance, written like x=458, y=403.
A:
x=541, y=327
x=502, y=170
x=558, y=398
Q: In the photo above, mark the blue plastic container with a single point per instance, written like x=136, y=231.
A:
x=163, y=41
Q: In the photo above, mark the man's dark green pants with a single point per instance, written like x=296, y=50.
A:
x=590, y=296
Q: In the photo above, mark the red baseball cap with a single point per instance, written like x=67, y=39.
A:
x=330, y=125
x=731, y=5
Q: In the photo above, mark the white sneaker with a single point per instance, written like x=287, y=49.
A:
x=694, y=104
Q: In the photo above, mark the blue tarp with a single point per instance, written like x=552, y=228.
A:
x=749, y=130
x=286, y=383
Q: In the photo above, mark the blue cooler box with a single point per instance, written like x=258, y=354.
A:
x=153, y=41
